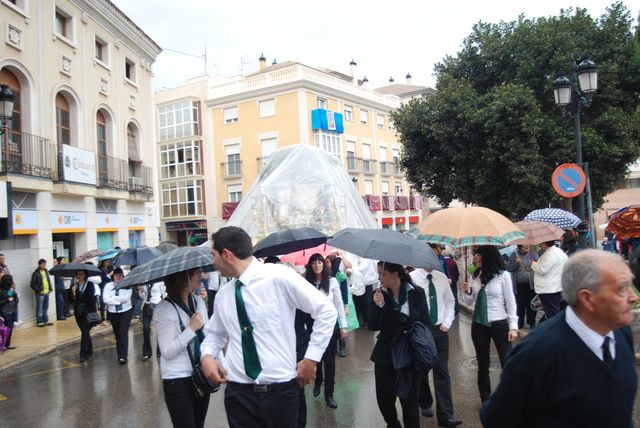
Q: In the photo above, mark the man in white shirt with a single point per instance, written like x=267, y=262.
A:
x=365, y=280
x=441, y=306
x=578, y=368
x=546, y=277
x=254, y=316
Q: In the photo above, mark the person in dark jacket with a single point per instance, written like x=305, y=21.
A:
x=41, y=285
x=8, y=305
x=85, y=301
x=60, y=292
x=393, y=310
x=578, y=368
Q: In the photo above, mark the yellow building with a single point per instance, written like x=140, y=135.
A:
x=78, y=150
x=242, y=121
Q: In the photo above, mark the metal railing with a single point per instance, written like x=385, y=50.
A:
x=141, y=182
x=113, y=173
x=262, y=162
x=386, y=168
x=396, y=169
x=352, y=164
x=369, y=166
x=231, y=169
x=26, y=154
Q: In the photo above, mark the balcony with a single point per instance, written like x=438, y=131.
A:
x=386, y=168
x=352, y=164
x=262, y=162
x=113, y=173
x=27, y=154
x=141, y=182
x=368, y=166
x=396, y=169
x=231, y=169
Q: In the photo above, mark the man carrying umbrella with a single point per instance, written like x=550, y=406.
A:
x=255, y=315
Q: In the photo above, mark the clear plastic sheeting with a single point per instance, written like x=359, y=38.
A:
x=300, y=186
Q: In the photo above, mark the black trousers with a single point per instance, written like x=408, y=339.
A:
x=482, y=335
x=9, y=321
x=329, y=362
x=60, y=312
x=120, y=323
x=385, y=377
x=86, y=346
x=211, y=298
x=302, y=409
x=146, y=333
x=523, y=300
x=550, y=303
x=441, y=379
x=273, y=409
x=186, y=410
x=363, y=304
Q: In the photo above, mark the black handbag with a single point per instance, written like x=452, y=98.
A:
x=148, y=309
x=202, y=385
x=93, y=318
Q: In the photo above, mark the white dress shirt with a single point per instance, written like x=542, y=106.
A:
x=444, y=295
x=123, y=298
x=158, y=292
x=271, y=294
x=547, y=271
x=593, y=340
x=174, y=357
x=336, y=297
x=501, y=302
x=215, y=280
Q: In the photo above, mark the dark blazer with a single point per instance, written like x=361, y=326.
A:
x=386, y=321
x=85, y=302
x=552, y=380
x=36, y=281
x=8, y=308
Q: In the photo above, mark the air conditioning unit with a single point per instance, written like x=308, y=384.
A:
x=135, y=183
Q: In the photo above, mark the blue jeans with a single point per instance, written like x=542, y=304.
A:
x=42, y=308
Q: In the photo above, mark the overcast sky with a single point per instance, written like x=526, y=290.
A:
x=385, y=38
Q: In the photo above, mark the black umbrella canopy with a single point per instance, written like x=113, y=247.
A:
x=387, y=246
x=289, y=241
x=182, y=259
x=70, y=269
x=136, y=256
x=166, y=247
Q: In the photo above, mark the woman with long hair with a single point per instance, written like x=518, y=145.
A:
x=119, y=313
x=86, y=301
x=494, y=315
x=394, y=309
x=317, y=273
x=8, y=305
x=179, y=321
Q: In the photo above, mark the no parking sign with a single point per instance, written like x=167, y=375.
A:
x=568, y=180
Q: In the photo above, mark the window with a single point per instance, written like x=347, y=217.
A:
x=380, y=121
x=267, y=108
x=182, y=198
x=269, y=145
x=329, y=142
x=101, y=126
x=63, y=121
x=233, y=160
x=398, y=189
x=351, y=155
x=396, y=161
x=364, y=117
x=130, y=70
x=385, y=188
x=180, y=159
x=235, y=193
x=366, y=157
x=101, y=48
x=230, y=114
x=348, y=113
x=368, y=187
x=63, y=24
x=179, y=120
x=322, y=103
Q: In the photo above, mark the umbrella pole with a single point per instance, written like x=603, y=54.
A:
x=466, y=256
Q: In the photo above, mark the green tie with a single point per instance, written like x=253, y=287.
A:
x=433, y=301
x=252, y=365
x=118, y=307
x=481, y=311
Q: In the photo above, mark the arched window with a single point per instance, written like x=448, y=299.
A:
x=101, y=127
x=133, y=145
x=63, y=121
x=12, y=140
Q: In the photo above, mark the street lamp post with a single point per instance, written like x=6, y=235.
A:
x=575, y=94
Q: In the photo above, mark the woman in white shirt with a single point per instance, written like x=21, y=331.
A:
x=494, y=315
x=151, y=295
x=119, y=313
x=318, y=273
x=179, y=320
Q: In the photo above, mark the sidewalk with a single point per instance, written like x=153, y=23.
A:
x=34, y=342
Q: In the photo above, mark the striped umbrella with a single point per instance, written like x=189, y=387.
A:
x=625, y=223
x=537, y=232
x=561, y=218
x=468, y=226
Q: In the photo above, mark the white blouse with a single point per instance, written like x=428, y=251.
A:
x=501, y=302
x=112, y=300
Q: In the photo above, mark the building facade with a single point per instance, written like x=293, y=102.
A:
x=78, y=152
x=243, y=121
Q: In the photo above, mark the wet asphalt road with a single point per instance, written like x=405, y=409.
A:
x=56, y=391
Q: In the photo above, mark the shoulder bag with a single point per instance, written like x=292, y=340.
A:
x=202, y=385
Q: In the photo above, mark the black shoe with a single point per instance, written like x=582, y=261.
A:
x=122, y=361
x=331, y=403
x=61, y=319
x=449, y=423
x=316, y=390
x=82, y=360
x=145, y=357
x=342, y=352
x=11, y=347
x=426, y=411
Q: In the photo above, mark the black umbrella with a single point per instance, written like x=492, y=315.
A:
x=166, y=247
x=70, y=269
x=386, y=245
x=182, y=259
x=289, y=241
x=136, y=256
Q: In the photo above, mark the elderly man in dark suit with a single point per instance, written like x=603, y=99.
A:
x=576, y=369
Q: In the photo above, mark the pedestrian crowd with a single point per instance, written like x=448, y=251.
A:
x=267, y=330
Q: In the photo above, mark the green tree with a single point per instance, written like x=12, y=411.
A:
x=492, y=134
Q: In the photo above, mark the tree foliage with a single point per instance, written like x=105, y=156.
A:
x=492, y=134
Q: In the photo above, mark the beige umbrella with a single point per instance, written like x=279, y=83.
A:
x=537, y=232
x=468, y=226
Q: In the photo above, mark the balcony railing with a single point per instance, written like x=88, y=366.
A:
x=352, y=164
x=27, y=154
x=369, y=166
x=231, y=169
x=113, y=173
x=396, y=169
x=386, y=168
x=141, y=181
x=262, y=162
